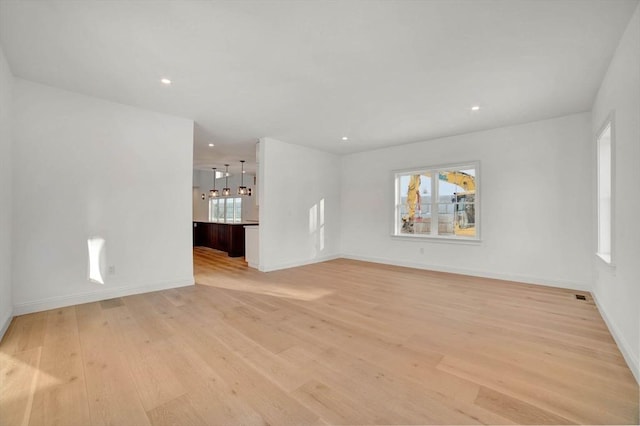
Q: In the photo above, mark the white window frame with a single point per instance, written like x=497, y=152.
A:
x=395, y=229
x=606, y=257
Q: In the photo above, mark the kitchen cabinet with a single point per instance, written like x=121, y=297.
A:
x=229, y=237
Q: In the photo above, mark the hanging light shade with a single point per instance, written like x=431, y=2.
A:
x=226, y=191
x=214, y=192
x=242, y=190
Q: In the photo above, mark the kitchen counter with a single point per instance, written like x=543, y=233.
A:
x=246, y=223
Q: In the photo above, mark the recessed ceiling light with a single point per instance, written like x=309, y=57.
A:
x=475, y=108
x=344, y=138
x=165, y=81
x=211, y=145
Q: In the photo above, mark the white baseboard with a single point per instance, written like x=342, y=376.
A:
x=475, y=273
x=633, y=360
x=571, y=285
x=288, y=265
x=5, y=322
x=94, y=296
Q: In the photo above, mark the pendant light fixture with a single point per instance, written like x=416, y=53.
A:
x=214, y=192
x=242, y=190
x=226, y=191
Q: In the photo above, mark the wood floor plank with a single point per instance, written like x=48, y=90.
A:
x=155, y=382
x=211, y=397
x=333, y=406
x=338, y=342
x=460, y=339
x=61, y=396
x=24, y=333
x=112, y=395
x=270, y=365
x=405, y=398
x=517, y=410
x=363, y=396
x=275, y=405
x=178, y=411
x=571, y=405
x=20, y=374
x=254, y=323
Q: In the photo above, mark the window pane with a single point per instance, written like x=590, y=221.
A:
x=220, y=216
x=456, y=202
x=465, y=221
x=229, y=210
x=446, y=200
x=238, y=210
x=414, y=209
x=213, y=209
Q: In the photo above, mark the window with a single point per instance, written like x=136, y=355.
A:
x=225, y=210
x=214, y=209
x=439, y=202
x=605, y=173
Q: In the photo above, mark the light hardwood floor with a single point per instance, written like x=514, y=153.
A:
x=342, y=342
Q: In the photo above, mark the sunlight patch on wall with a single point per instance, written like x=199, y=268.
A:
x=316, y=226
x=322, y=224
x=96, y=259
x=313, y=219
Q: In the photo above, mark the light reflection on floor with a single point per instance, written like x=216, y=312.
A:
x=21, y=379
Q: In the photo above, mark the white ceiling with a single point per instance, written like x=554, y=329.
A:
x=309, y=72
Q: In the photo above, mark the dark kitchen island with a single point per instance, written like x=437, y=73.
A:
x=222, y=236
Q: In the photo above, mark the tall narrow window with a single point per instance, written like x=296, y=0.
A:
x=605, y=173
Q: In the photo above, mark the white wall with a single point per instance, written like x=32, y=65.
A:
x=617, y=289
x=535, y=206
x=85, y=167
x=6, y=88
x=203, y=182
x=299, y=205
x=200, y=206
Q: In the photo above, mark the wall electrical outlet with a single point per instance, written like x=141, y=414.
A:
x=112, y=270
x=421, y=250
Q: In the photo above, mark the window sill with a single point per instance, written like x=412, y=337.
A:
x=606, y=259
x=437, y=239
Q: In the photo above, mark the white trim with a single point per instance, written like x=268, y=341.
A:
x=94, y=296
x=395, y=231
x=288, y=265
x=606, y=259
x=445, y=166
x=5, y=323
x=437, y=239
x=633, y=360
x=527, y=279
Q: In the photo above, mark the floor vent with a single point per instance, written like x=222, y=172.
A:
x=580, y=297
x=111, y=303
